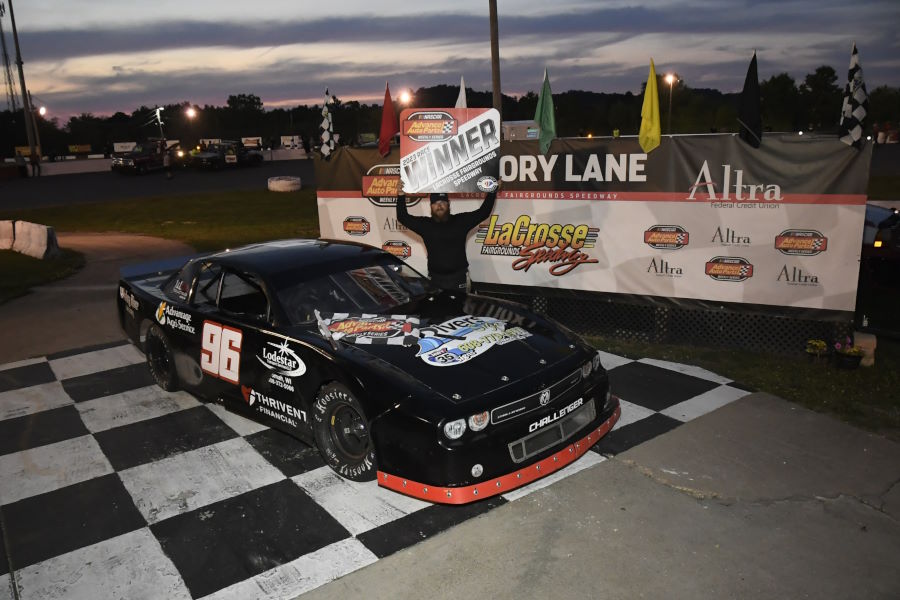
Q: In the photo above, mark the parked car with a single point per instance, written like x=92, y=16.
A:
x=226, y=154
x=448, y=398
x=141, y=159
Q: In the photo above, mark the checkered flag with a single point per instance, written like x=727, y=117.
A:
x=448, y=128
x=327, y=146
x=745, y=270
x=680, y=238
x=817, y=244
x=856, y=104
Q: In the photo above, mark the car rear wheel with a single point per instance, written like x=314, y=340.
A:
x=342, y=433
x=161, y=359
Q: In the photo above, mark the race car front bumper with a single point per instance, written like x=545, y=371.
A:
x=503, y=483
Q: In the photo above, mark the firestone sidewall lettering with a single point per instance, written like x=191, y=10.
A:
x=560, y=245
x=466, y=338
x=559, y=414
x=281, y=359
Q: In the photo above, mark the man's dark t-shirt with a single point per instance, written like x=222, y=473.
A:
x=445, y=242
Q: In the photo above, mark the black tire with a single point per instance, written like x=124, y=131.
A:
x=160, y=359
x=342, y=434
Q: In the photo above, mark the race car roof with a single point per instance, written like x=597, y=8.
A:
x=314, y=257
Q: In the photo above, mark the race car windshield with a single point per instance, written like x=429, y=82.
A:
x=375, y=289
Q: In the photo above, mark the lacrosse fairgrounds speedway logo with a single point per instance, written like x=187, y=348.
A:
x=560, y=245
x=449, y=150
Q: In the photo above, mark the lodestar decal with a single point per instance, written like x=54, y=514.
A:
x=536, y=243
x=729, y=268
x=801, y=242
x=459, y=340
x=282, y=359
x=667, y=237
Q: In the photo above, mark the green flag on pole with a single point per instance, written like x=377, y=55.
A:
x=544, y=116
x=650, y=129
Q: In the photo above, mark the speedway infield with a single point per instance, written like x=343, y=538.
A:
x=704, y=490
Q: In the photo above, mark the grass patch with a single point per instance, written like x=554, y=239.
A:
x=209, y=221
x=19, y=273
x=886, y=187
x=866, y=397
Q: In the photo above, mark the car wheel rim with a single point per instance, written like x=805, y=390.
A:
x=159, y=362
x=349, y=432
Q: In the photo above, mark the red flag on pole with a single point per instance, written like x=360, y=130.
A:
x=389, y=124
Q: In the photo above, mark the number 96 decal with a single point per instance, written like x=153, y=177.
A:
x=220, y=352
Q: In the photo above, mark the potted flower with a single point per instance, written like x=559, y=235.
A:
x=847, y=355
x=816, y=349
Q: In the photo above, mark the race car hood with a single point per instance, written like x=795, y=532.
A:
x=462, y=348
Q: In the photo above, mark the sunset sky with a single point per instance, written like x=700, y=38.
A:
x=100, y=56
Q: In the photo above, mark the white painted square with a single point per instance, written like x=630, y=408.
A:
x=691, y=370
x=301, y=575
x=22, y=363
x=34, y=399
x=131, y=566
x=194, y=479
x=704, y=403
x=241, y=425
x=51, y=467
x=359, y=507
x=97, y=361
x=611, y=361
x=588, y=460
x=132, y=406
x=6, y=592
x=631, y=413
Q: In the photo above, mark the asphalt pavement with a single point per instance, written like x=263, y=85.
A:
x=107, y=186
x=759, y=499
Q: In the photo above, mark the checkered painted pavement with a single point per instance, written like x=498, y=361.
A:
x=113, y=488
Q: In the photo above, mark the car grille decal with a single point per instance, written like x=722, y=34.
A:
x=533, y=401
x=551, y=435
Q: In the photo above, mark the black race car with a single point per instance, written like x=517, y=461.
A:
x=448, y=398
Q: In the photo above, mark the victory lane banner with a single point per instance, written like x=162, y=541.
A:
x=699, y=219
x=451, y=150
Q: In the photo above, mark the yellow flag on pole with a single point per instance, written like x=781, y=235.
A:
x=650, y=131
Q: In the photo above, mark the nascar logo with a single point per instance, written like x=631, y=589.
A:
x=667, y=237
x=729, y=268
x=398, y=248
x=431, y=126
x=357, y=226
x=801, y=242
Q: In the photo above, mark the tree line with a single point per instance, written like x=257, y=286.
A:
x=812, y=104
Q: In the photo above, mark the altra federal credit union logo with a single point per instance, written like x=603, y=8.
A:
x=801, y=242
x=560, y=245
x=667, y=237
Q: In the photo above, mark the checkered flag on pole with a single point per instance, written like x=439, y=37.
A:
x=327, y=127
x=856, y=104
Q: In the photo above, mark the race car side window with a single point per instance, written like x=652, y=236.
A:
x=207, y=292
x=179, y=287
x=243, y=295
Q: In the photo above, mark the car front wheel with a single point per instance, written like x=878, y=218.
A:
x=342, y=433
x=161, y=359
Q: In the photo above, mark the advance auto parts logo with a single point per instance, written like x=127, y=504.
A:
x=801, y=242
x=398, y=248
x=535, y=243
x=667, y=237
x=729, y=268
x=430, y=126
x=357, y=226
x=381, y=185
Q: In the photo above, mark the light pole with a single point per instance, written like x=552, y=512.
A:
x=670, y=79
x=26, y=109
x=495, y=57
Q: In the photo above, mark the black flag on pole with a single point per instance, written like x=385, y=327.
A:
x=749, y=110
x=856, y=104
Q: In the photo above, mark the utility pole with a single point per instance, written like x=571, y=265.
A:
x=495, y=59
x=26, y=108
x=11, y=99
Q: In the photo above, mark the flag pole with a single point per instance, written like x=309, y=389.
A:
x=495, y=59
